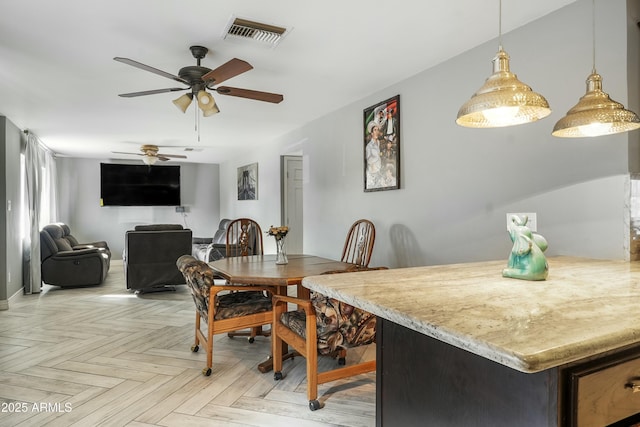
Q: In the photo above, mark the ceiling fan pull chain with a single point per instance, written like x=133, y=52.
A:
x=197, y=123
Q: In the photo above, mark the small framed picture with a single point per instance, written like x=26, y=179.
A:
x=248, y=182
x=382, y=146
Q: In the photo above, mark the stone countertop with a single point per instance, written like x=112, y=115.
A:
x=585, y=307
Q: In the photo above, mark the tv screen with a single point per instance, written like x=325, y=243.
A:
x=139, y=185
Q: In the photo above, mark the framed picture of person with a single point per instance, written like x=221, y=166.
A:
x=248, y=182
x=382, y=145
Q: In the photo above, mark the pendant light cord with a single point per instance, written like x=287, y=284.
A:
x=593, y=23
x=197, y=124
x=500, y=24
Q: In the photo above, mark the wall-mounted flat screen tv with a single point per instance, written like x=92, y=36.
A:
x=139, y=185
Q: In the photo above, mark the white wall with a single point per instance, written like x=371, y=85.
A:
x=457, y=184
x=79, y=188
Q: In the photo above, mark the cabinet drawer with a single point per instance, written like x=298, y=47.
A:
x=606, y=393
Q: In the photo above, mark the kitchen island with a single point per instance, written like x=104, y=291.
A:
x=461, y=345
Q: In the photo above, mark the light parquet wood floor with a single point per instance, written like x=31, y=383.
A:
x=102, y=356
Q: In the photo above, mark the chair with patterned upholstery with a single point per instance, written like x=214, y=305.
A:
x=321, y=326
x=358, y=245
x=358, y=248
x=223, y=308
x=244, y=238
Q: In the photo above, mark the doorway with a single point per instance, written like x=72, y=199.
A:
x=291, y=178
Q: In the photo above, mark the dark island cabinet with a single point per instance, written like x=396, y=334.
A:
x=422, y=381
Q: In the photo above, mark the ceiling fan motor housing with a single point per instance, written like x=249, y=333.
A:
x=193, y=74
x=149, y=150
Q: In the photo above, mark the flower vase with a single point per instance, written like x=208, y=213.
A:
x=281, y=255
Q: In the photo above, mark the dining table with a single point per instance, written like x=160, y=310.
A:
x=263, y=270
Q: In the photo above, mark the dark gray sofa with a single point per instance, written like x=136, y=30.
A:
x=150, y=255
x=64, y=262
x=75, y=244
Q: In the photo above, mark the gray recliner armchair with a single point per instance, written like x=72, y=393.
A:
x=150, y=255
x=62, y=265
x=209, y=249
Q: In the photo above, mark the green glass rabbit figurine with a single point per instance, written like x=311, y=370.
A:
x=527, y=260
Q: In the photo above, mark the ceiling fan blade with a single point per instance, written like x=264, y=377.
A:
x=227, y=70
x=150, y=69
x=121, y=152
x=151, y=92
x=250, y=94
x=177, y=156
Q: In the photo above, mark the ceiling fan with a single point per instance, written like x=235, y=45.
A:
x=199, y=79
x=150, y=154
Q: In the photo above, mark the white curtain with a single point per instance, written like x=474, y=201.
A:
x=40, y=169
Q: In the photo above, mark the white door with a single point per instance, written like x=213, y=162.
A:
x=292, y=203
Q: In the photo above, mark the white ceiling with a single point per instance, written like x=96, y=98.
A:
x=58, y=77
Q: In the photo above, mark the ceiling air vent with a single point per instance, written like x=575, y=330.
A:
x=246, y=29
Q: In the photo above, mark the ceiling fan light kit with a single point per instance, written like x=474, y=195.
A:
x=207, y=104
x=205, y=100
x=183, y=102
x=149, y=160
x=150, y=154
x=211, y=111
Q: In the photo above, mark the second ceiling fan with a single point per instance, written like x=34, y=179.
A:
x=150, y=155
x=199, y=79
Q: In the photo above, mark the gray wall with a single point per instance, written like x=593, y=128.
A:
x=457, y=183
x=79, y=201
x=10, y=239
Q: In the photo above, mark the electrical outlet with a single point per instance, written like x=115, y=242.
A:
x=532, y=223
x=180, y=209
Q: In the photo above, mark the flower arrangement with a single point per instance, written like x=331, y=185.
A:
x=278, y=232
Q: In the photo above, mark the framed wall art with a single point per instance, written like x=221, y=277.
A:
x=382, y=146
x=248, y=182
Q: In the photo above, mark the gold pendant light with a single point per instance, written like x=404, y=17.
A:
x=595, y=114
x=503, y=100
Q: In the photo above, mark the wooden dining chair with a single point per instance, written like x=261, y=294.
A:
x=358, y=245
x=321, y=326
x=222, y=307
x=244, y=238
x=358, y=248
